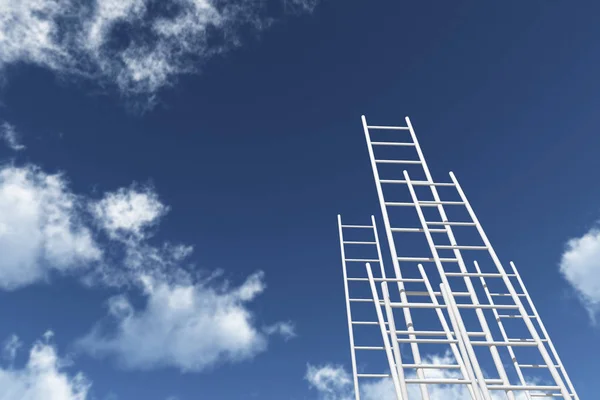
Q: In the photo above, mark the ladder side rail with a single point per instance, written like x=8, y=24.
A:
x=395, y=347
x=386, y=339
x=379, y=255
x=461, y=360
x=348, y=312
x=457, y=254
x=511, y=352
x=396, y=264
x=544, y=331
x=544, y=353
x=475, y=373
x=479, y=312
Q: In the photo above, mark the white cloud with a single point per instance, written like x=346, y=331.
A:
x=192, y=327
x=10, y=136
x=136, y=47
x=45, y=228
x=286, y=329
x=333, y=382
x=40, y=228
x=127, y=213
x=188, y=321
x=11, y=346
x=42, y=378
x=580, y=265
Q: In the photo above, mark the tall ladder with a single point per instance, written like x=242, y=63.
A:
x=351, y=267
x=440, y=238
x=383, y=318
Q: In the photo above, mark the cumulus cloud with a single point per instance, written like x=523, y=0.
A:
x=191, y=320
x=40, y=227
x=333, y=382
x=42, y=378
x=10, y=136
x=46, y=228
x=138, y=45
x=128, y=213
x=580, y=266
x=188, y=326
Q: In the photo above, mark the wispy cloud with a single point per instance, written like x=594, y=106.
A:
x=188, y=326
x=138, y=45
x=42, y=377
x=286, y=329
x=580, y=266
x=11, y=346
x=40, y=227
x=333, y=382
x=191, y=320
x=10, y=137
x=128, y=212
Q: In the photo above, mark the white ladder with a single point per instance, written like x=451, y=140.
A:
x=351, y=266
x=392, y=337
x=442, y=225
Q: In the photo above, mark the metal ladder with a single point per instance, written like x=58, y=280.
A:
x=391, y=337
x=446, y=271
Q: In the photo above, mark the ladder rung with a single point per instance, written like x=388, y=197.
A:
x=398, y=161
x=416, y=183
x=536, y=366
x=399, y=204
x=416, y=305
x=369, y=348
x=418, y=293
x=546, y=395
x=505, y=295
x=362, y=260
x=489, y=306
x=366, y=323
x=523, y=387
x=396, y=128
x=494, y=343
x=438, y=381
x=435, y=333
x=431, y=366
x=391, y=144
x=461, y=223
x=446, y=381
x=373, y=375
x=353, y=242
x=421, y=333
x=386, y=279
x=422, y=203
x=430, y=341
x=398, y=279
x=441, y=203
x=426, y=259
x=449, y=247
x=357, y=300
x=474, y=274
x=358, y=226
x=514, y=316
x=526, y=340
x=418, y=230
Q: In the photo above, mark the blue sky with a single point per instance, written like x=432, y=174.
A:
x=187, y=248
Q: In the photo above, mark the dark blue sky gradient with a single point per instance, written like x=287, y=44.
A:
x=257, y=155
